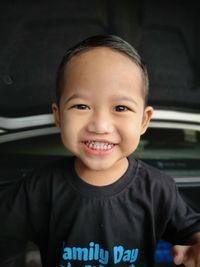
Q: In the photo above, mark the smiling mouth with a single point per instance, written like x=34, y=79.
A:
x=96, y=145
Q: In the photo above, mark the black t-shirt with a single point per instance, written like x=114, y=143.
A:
x=78, y=224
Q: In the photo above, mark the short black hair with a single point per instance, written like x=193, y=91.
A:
x=111, y=41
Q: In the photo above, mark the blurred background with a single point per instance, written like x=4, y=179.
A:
x=34, y=38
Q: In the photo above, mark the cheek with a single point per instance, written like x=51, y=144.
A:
x=130, y=133
x=70, y=128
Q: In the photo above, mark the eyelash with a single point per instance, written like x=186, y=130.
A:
x=121, y=108
x=80, y=106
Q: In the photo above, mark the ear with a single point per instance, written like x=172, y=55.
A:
x=148, y=112
x=56, y=114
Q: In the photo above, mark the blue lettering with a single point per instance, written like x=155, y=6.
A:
x=129, y=255
x=94, y=252
x=118, y=254
x=67, y=255
x=134, y=255
x=104, y=256
x=68, y=265
x=80, y=254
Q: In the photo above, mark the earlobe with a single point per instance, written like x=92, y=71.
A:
x=148, y=112
x=56, y=114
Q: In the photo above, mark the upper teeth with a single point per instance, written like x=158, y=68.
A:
x=99, y=145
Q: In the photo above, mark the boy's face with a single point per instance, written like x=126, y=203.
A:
x=101, y=113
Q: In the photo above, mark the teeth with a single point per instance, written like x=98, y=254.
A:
x=99, y=145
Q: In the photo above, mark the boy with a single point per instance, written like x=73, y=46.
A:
x=100, y=208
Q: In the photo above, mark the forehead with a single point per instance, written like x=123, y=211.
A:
x=100, y=69
x=95, y=58
x=96, y=53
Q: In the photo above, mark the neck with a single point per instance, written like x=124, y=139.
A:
x=101, y=177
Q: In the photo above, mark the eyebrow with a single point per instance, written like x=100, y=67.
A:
x=75, y=96
x=113, y=98
x=123, y=98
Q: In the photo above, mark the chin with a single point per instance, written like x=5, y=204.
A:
x=98, y=165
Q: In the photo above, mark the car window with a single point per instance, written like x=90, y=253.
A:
x=176, y=151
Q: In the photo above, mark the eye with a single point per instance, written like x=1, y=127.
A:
x=121, y=108
x=80, y=107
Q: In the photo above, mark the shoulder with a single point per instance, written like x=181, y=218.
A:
x=64, y=164
x=158, y=190
x=43, y=179
x=153, y=175
x=156, y=186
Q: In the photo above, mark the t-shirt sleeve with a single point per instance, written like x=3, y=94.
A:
x=24, y=213
x=183, y=222
x=13, y=229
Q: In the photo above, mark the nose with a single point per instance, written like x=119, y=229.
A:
x=101, y=123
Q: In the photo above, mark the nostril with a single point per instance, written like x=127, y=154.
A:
x=102, y=127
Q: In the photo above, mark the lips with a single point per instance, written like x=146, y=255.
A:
x=99, y=145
